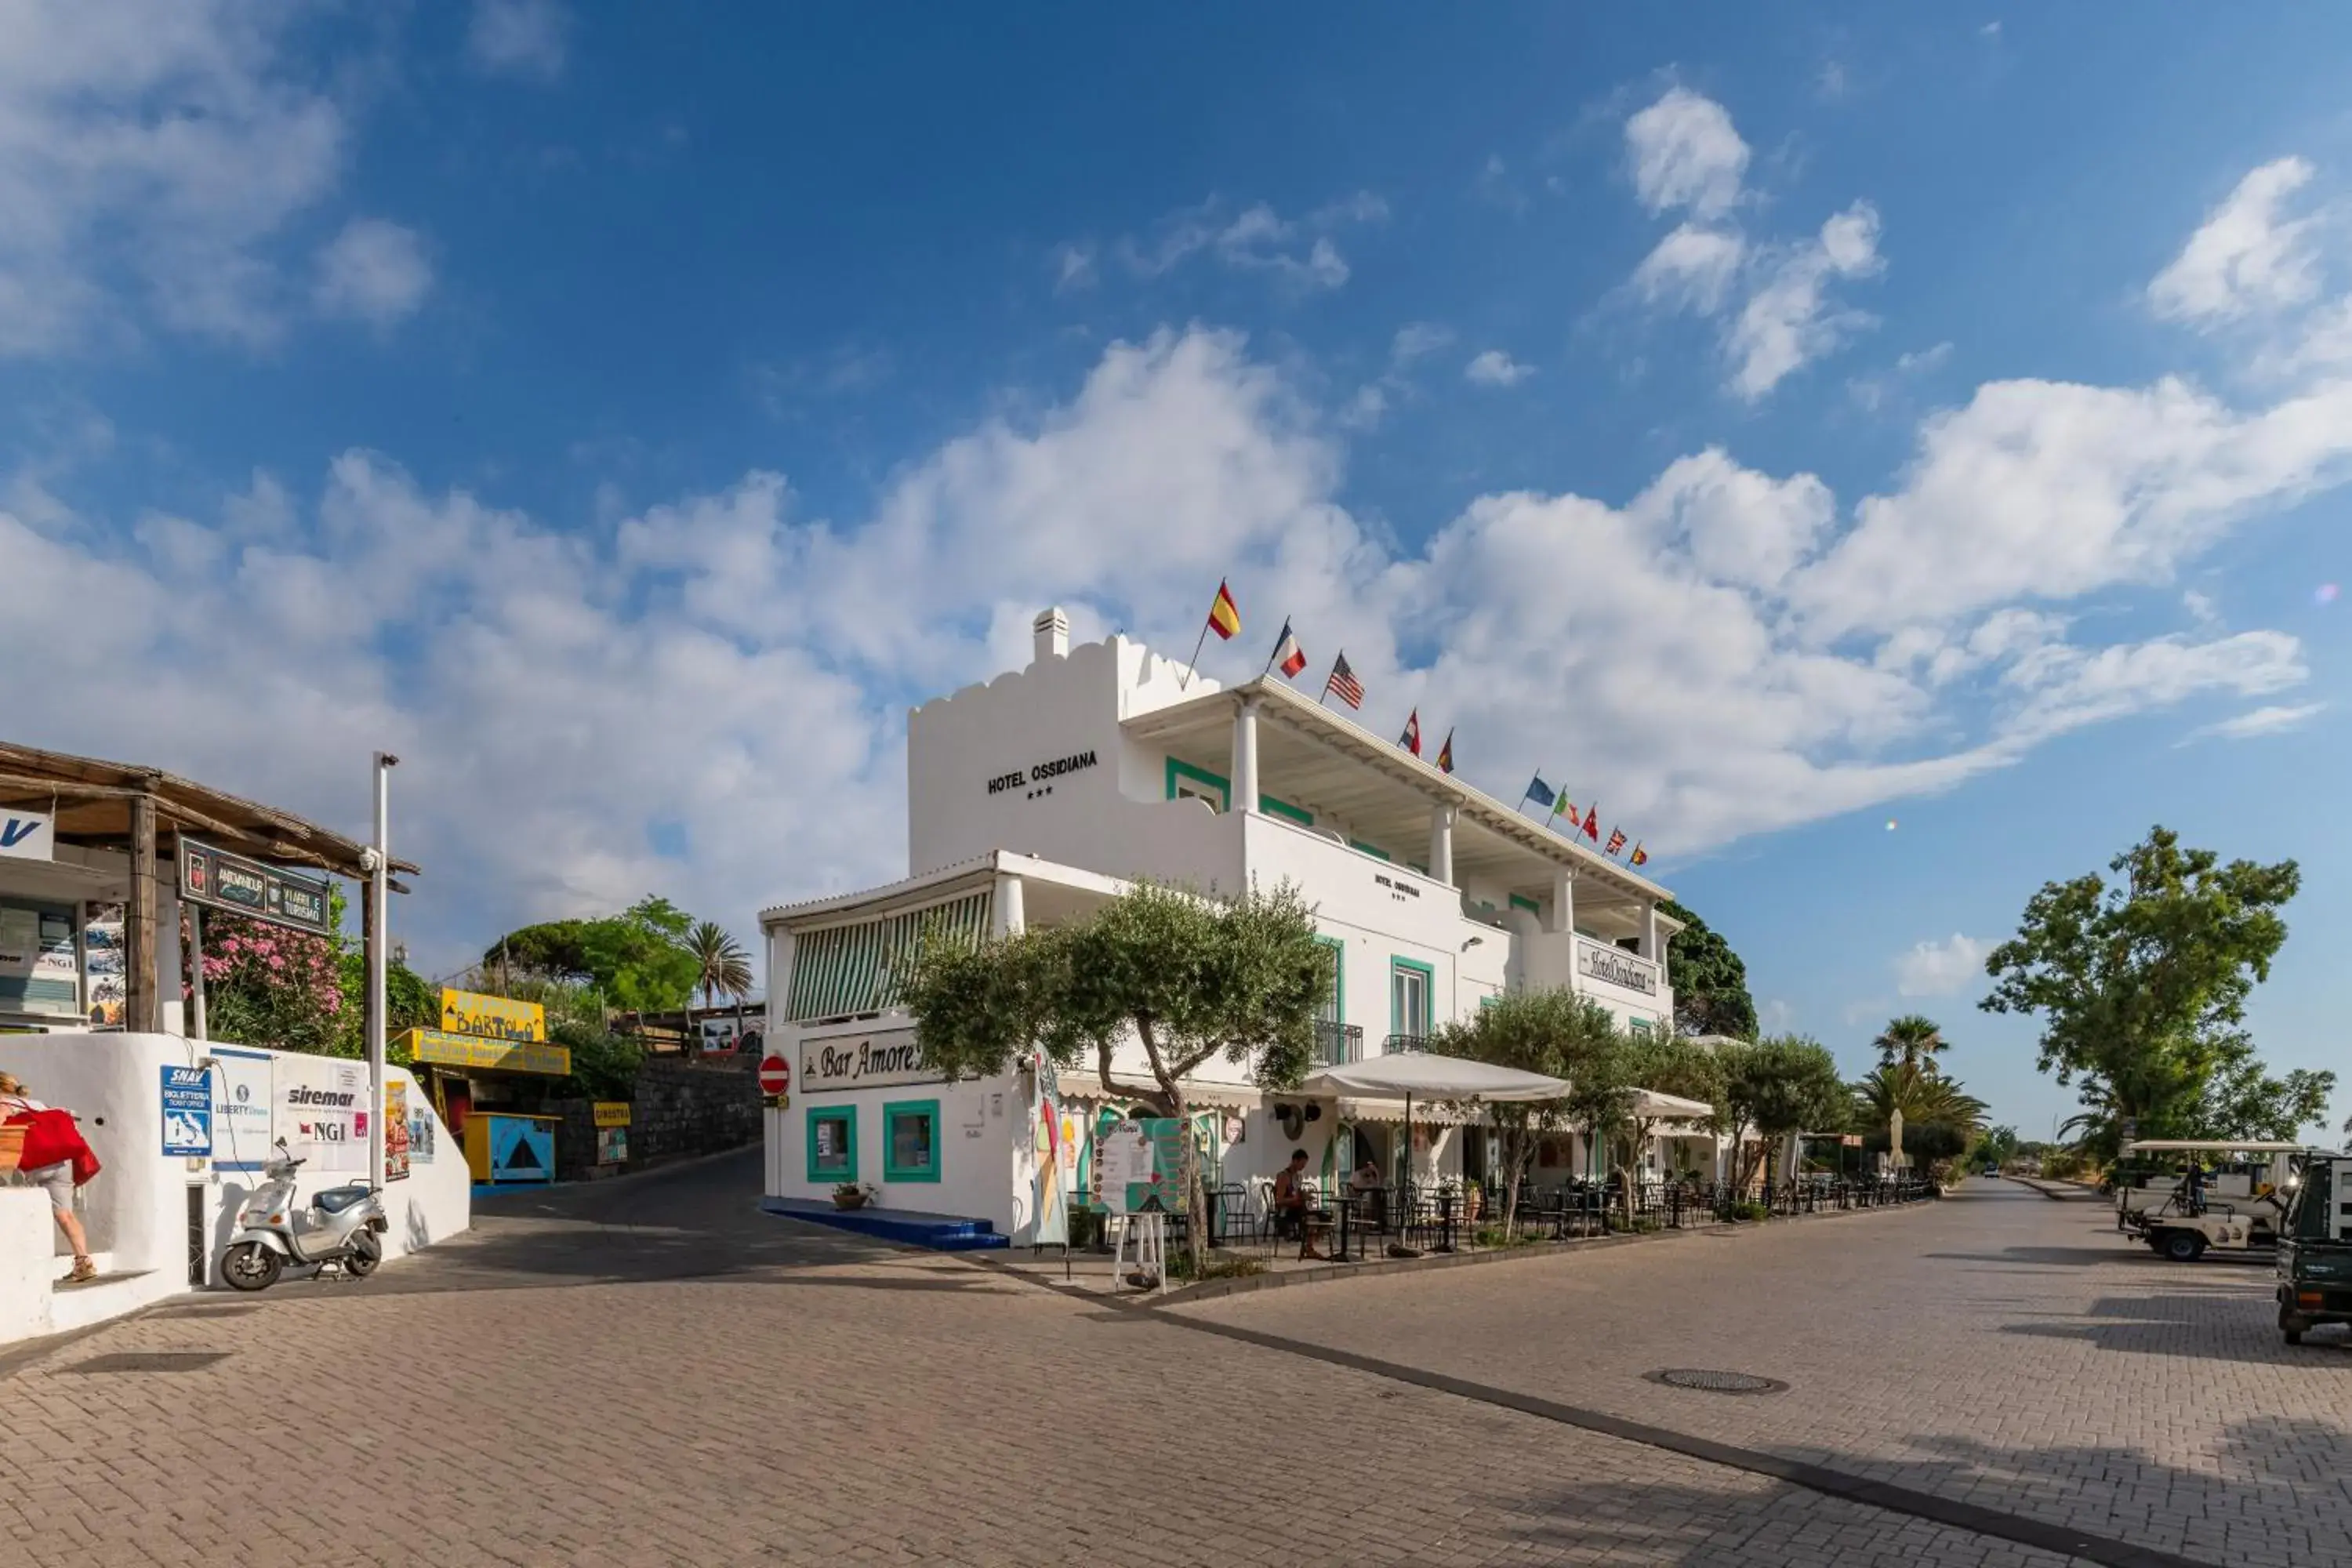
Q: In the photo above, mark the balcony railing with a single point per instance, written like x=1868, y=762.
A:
x=1337, y=1044
x=1396, y=1043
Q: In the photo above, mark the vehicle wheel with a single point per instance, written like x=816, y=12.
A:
x=2183, y=1246
x=366, y=1253
x=249, y=1265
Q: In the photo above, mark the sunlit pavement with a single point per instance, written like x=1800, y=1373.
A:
x=651, y=1372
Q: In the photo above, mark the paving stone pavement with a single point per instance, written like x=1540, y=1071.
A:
x=651, y=1373
x=1999, y=1347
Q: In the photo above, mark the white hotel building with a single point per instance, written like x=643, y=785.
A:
x=1033, y=798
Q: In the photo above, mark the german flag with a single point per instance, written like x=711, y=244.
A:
x=1445, y=754
x=1224, y=615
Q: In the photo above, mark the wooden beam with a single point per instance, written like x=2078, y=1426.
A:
x=143, y=1011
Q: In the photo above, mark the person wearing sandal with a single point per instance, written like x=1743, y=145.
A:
x=56, y=1178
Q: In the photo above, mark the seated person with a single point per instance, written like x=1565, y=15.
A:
x=1294, y=1204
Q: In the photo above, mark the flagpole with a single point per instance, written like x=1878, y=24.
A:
x=1277, y=647
x=1198, y=643
x=1325, y=692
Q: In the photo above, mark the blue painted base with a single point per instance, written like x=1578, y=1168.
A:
x=909, y=1228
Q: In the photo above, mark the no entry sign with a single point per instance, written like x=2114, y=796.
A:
x=775, y=1075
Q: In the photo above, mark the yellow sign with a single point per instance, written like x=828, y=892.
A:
x=493, y=1017
x=612, y=1113
x=445, y=1050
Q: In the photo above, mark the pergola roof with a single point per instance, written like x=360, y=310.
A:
x=91, y=799
x=1329, y=765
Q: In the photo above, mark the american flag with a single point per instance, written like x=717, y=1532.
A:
x=1343, y=684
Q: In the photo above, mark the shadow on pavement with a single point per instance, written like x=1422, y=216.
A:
x=2177, y=1323
x=700, y=1221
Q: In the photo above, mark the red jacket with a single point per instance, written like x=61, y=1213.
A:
x=51, y=1136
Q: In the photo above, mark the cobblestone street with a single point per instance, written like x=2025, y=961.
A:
x=651, y=1372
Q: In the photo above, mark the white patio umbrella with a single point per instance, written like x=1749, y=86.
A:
x=1408, y=1075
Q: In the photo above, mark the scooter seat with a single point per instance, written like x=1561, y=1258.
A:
x=335, y=1200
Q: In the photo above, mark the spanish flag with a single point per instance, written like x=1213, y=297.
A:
x=1224, y=615
x=1445, y=754
x=1640, y=856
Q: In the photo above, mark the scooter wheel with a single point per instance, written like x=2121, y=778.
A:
x=249, y=1265
x=366, y=1253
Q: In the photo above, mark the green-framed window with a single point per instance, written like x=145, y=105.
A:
x=911, y=1140
x=1184, y=779
x=1638, y=1027
x=1333, y=1007
x=832, y=1143
x=1412, y=996
x=1521, y=902
x=1374, y=850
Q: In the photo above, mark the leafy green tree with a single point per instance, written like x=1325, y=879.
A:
x=1778, y=1085
x=268, y=985
x=2241, y=1099
x=604, y=1064
x=1711, y=994
x=1669, y=1063
x=637, y=961
x=1189, y=979
x=1996, y=1146
x=1556, y=1032
x=2142, y=985
x=1912, y=1041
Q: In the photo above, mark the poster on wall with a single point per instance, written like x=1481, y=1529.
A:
x=187, y=1112
x=395, y=1131
x=421, y=1132
x=322, y=1114
x=39, y=969
x=102, y=964
x=241, y=1110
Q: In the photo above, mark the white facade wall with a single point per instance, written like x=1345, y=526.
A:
x=1036, y=763
x=136, y=1209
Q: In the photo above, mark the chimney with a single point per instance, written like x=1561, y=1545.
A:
x=1053, y=630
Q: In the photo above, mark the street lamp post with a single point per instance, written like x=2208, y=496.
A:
x=377, y=1016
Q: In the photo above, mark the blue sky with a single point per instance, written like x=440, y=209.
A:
x=1771, y=424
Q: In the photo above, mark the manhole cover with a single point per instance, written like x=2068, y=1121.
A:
x=151, y=1361
x=1708, y=1382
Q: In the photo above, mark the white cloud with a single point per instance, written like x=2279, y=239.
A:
x=1940, y=968
x=1773, y=300
x=2037, y=489
x=1416, y=339
x=1496, y=368
x=2270, y=720
x=373, y=271
x=1683, y=153
x=568, y=692
x=2247, y=257
x=152, y=154
x=1691, y=269
x=1074, y=267
x=1873, y=392
x=1257, y=238
x=1790, y=320
x=525, y=38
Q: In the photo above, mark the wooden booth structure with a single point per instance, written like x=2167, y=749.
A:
x=135, y=827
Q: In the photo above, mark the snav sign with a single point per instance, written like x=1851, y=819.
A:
x=864, y=1061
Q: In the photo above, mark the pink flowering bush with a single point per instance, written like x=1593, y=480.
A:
x=267, y=987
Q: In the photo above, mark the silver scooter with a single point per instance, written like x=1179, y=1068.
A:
x=337, y=1228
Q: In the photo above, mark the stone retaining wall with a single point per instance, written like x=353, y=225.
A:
x=681, y=1108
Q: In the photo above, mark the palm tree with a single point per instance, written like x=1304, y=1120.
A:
x=1912, y=1041
x=721, y=967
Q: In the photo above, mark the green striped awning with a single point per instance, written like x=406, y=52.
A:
x=841, y=970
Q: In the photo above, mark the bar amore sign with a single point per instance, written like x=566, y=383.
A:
x=874, y=1061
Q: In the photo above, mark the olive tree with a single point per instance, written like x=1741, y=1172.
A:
x=1779, y=1085
x=1669, y=1063
x=1189, y=978
x=1554, y=1033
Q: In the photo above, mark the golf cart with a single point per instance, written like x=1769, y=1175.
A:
x=2314, y=1254
x=2238, y=1206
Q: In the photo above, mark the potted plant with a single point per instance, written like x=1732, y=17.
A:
x=851, y=1195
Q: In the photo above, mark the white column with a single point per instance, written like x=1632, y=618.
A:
x=1012, y=916
x=1440, y=843
x=1563, y=900
x=1649, y=934
x=1244, y=783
